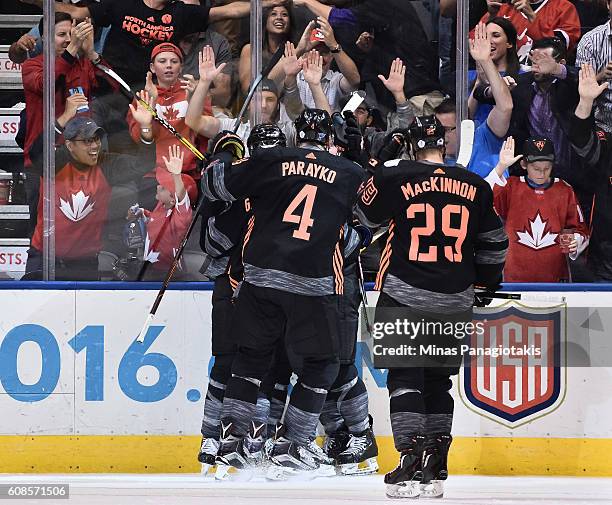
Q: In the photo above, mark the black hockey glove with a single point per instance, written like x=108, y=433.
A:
x=226, y=141
x=354, y=138
x=394, y=144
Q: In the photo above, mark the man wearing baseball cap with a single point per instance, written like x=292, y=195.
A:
x=537, y=210
x=84, y=177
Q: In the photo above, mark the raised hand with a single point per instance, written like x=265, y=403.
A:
x=304, y=44
x=397, y=73
x=365, y=42
x=174, y=161
x=150, y=87
x=543, y=63
x=480, y=46
x=506, y=155
x=141, y=113
x=328, y=32
x=313, y=67
x=291, y=64
x=588, y=88
x=87, y=32
x=188, y=83
x=206, y=65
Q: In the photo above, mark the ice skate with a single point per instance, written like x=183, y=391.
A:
x=359, y=456
x=254, y=443
x=290, y=459
x=327, y=466
x=435, y=457
x=405, y=480
x=335, y=443
x=208, y=453
x=231, y=452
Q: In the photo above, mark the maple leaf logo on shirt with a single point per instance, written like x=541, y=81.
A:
x=537, y=239
x=149, y=255
x=79, y=209
x=177, y=110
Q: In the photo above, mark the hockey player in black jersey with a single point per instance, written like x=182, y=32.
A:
x=222, y=227
x=293, y=261
x=444, y=237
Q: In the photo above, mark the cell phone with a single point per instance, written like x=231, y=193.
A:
x=317, y=36
x=74, y=91
x=357, y=98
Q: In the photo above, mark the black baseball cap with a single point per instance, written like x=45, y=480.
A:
x=269, y=85
x=82, y=128
x=538, y=149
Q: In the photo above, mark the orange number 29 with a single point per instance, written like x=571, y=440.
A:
x=306, y=195
x=451, y=253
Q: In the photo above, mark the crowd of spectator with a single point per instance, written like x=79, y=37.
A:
x=539, y=94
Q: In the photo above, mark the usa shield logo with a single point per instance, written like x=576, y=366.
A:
x=525, y=378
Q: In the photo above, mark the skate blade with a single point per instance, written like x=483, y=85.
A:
x=326, y=471
x=410, y=489
x=434, y=489
x=366, y=467
x=226, y=473
x=205, y=468
x=283, y=473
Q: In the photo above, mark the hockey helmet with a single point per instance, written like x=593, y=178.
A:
x=313, y=125
x=426, y=132
x=266, y=135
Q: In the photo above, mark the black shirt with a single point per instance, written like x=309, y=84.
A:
x=136, y=29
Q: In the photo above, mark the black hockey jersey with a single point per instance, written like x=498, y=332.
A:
x=444, y=235
x=300, y=199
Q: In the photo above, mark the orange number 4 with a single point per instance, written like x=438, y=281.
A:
x=306, y=195
x=452, y=254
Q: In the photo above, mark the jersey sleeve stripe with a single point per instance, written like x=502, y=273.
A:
x=385, y=258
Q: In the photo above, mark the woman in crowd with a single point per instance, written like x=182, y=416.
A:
x=278, y=26
x=503, y=53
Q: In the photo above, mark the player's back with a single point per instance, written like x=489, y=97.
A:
x=301, y=199
x=443, y=232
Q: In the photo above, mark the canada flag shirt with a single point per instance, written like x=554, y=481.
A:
x=533, y=218
x=81, y=206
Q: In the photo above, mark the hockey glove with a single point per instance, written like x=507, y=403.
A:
x=226, y=141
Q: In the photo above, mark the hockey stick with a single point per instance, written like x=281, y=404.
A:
x=271, y=64
x=131, y=95
x=179, y=252
x=467, y=143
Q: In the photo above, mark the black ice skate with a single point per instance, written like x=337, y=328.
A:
x=231, y=451
x=254, y=443
x=405, y=480
x=359, y=456
x=335, y=443
x=327, y=466
x=289, y=458
x=208, y=453
x=435, y=457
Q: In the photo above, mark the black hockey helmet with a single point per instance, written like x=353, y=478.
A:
x=426, y=132
x=266, y=135
x=313, y=125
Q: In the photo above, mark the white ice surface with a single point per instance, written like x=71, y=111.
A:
x=188, y=489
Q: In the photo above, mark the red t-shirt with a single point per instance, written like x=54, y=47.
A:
x=533, y=218
x=165, y=230
x=81, y=209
